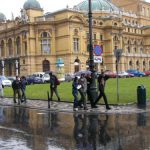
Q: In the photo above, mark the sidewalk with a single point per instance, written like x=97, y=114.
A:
x=68, y=107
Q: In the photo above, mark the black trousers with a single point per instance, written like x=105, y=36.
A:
x=83, y=98
x=102, y=94
x=54, y=90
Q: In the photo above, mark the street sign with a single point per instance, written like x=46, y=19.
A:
x=97, y=50
x=98, y=59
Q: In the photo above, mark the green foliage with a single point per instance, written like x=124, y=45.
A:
x=127, y=90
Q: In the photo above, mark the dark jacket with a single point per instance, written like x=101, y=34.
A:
x=74, y=87
x=23, y=84
x=16, y=84
x=102, y=80
x=53, y=81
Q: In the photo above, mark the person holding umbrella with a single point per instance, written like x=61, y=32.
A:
x=82, y=91
x=75, y=87
x=101, y=84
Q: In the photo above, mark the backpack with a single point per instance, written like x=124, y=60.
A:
x=57, y=81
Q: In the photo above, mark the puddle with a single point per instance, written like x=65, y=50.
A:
x=27, y=129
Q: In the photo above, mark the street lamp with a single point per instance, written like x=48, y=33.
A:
x=117, y=53
x=93, y=92
x=16, y=62
x=3, y=67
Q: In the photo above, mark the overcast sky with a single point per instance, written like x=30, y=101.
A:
x=8, y=7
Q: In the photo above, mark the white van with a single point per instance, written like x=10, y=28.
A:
x=45, y=77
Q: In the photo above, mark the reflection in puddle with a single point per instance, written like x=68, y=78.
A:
x=28, y=129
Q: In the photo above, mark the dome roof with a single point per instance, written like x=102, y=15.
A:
x=2, y=17
x=32, y=4
x=97, y=5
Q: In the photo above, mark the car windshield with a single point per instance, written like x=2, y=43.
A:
x=46, y=75
x=3, y=78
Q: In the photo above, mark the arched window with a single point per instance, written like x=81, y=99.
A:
x=46, y=65
x=129, y=42
x=101, y=23
x=76, y=65
x=10, y=47
x=115, y=24
x=144, y=63
x=137, y=63
x=128, y=49
x=45, y=43
x=18, y=46
x=10, y=65
x=130, y=63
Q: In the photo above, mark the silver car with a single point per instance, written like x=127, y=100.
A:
x=5, y=81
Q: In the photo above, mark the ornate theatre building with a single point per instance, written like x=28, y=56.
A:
x=37, y=41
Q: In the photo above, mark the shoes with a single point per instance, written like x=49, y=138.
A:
x=108, y=108
x=75, y=109
x=81, y=106
x=85, y=108
x=94, y=106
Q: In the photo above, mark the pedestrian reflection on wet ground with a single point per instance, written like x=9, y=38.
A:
x=90, y=131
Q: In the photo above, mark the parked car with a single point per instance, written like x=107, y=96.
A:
x=11, y=78
x=136, y=73
x=110, y=73
x=44, y=76
x=147, y=73
x=33, y=80
x=5, y=81
x=124, y=74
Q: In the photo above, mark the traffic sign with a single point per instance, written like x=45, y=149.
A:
x=98, y=50
x=98, y=59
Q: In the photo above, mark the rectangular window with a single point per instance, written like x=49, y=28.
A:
x=45, y=46
x=94, y=36
x=101, y=37
x=76, y=44
x=25, y=47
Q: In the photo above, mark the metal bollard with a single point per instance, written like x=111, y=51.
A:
x=48, y=98
x=141, y=95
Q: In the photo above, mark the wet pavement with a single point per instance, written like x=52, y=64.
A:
x=68, y=107
x=32, y=126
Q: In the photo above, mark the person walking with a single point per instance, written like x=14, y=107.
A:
x=82, y=91
x=89, y=96
x=23, y=88
x=101, y=84
x=75, y=87
x=16, y=85
x=53, y=85
x=1, y=89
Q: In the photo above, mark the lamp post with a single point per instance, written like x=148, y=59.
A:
x=16, y=62
x=3, y=67
x=118, y=53
x=93, y=92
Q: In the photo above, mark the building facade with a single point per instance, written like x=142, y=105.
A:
x=35, y=41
